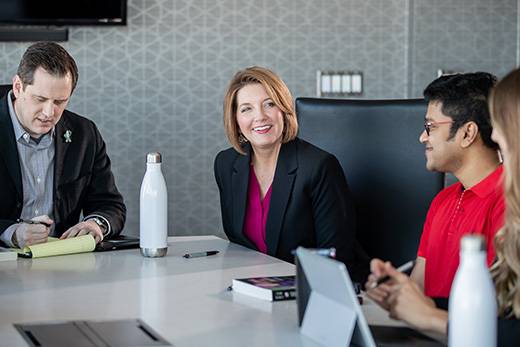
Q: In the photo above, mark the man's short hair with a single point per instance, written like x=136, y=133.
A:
x=51, y=57
x=464, y=99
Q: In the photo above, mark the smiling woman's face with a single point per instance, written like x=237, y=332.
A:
x=259, y=119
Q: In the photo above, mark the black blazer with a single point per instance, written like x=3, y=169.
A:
x=310, y=203
x=83, y=180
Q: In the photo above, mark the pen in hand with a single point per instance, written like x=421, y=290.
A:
x=29, y=221
x=199, y=254
x=403, y=268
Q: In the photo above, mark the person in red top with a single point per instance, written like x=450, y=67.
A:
x=457, y=140
x=454, y=212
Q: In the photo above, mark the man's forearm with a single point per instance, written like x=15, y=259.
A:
x=417, y=274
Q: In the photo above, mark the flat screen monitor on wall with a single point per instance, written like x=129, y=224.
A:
x=63, y=12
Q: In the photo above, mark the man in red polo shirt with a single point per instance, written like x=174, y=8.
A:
x=457, y=140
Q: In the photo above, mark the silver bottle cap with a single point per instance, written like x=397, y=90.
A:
x=473, y=243
x=154, y=157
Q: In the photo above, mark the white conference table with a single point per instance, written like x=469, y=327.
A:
x=186, y=301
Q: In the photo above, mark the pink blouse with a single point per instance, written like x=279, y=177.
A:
x=256, y=212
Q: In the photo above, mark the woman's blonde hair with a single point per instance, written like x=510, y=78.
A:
x=505, y=114
x=277, y=91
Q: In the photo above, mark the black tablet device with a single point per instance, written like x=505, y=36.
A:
x=117, y=242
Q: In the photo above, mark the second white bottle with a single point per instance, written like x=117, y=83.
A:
x=472, y=307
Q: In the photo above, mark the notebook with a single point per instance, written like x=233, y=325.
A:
x=55, y=246
x=80, y=244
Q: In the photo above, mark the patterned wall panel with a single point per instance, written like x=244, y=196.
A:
x=462, y=35
x=158, y=83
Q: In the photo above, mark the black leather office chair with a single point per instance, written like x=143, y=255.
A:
x=377, y=144
x=4, y=88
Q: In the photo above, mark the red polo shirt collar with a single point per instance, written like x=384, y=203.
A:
x=489, y=184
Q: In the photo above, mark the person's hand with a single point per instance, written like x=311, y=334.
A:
x=379, y=294
x=407, y=302
x=84, y=228
x=31, y=234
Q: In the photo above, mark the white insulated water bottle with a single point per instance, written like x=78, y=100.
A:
x=473, y=306
x=153, y=212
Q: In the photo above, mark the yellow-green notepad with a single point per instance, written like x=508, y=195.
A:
x=54, y=246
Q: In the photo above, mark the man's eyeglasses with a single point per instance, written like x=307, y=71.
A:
x=429, y=124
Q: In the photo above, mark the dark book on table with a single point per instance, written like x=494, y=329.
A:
x=273, y=288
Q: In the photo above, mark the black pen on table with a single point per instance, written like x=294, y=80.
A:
x=403, y=268
x=29, y=221
x=199, y=254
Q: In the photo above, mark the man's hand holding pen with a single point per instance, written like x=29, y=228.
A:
x=378, y=293
x=397, y=293
x=33, y=231
x=381, y=282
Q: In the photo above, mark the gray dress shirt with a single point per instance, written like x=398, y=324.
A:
x=37, y=168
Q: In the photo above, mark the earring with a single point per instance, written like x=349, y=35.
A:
x=241, y=138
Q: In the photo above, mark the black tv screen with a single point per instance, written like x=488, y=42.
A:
x=63, y=12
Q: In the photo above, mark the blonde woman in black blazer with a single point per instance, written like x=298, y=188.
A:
x=310, y=203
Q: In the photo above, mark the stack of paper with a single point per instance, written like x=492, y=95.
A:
x=7, y=254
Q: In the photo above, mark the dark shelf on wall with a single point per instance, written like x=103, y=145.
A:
x=33, y=33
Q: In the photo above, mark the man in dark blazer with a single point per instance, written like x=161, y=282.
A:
x=53, y=163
